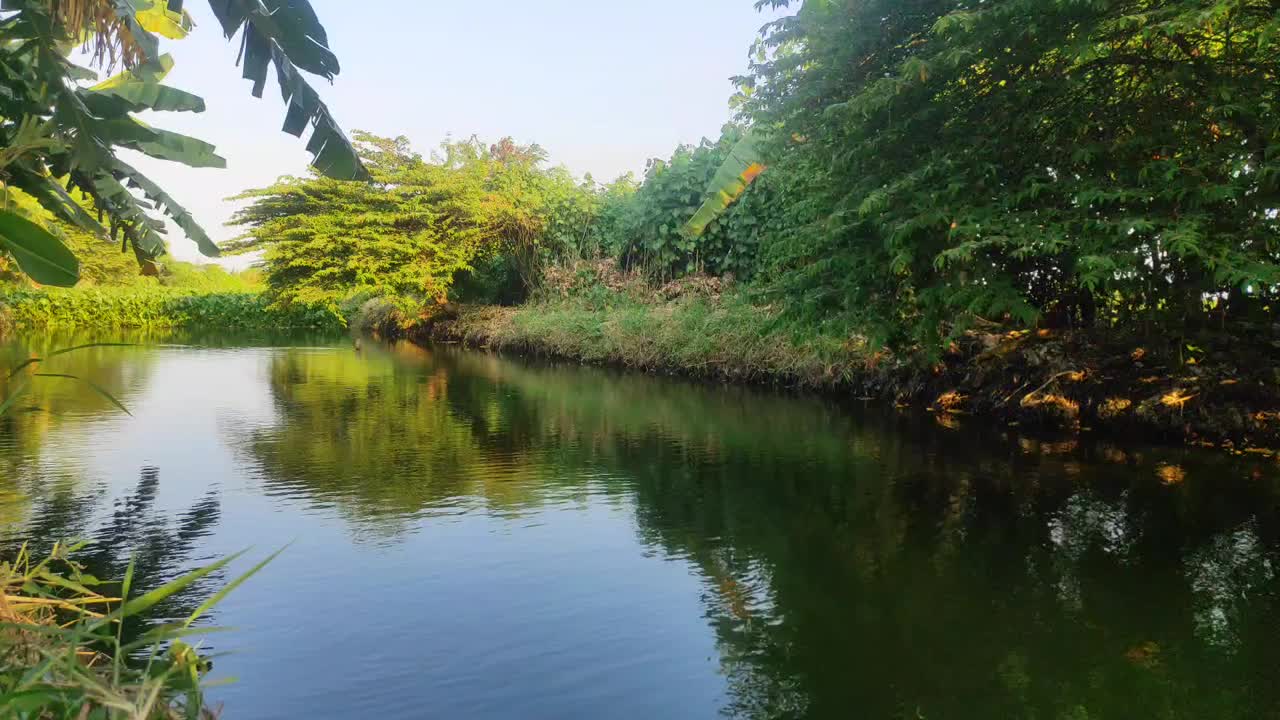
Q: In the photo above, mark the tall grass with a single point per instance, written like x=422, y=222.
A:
x=154, y=307
x=64, y=652
x=723, y=336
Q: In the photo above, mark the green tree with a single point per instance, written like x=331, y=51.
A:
x=402, y=236
x=491, y=213
x=1022, y=159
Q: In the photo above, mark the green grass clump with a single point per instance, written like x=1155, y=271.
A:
x=154, y=307
x=64, y=652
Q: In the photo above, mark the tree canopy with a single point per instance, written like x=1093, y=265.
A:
x=420, y=222
x=1080, y=159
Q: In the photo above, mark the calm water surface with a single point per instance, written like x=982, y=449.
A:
x=475, y=537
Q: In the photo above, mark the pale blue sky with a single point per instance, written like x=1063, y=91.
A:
x=603, y=85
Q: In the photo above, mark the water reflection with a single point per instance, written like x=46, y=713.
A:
x=121, y=530
x=847, y=561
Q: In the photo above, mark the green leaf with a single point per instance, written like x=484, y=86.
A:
x=292, y=25
x=92, y=385
x=140, y=89
x=166, y=145
x=150, y=72
x=288, y=34
x=143, y=230
x=24, y=364
x=170, y=207
x=86, y=346
x=13, y=397
x=52, y=196
x=218, y=596
x=144, y=602
x=127, y=584
x=39, y=253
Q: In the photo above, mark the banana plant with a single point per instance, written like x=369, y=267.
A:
x=60, y=135
x=733, y=178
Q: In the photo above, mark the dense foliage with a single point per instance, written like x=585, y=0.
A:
x=419, y=224
x=155, y=307
x=60, y=133
x=1068, y=161
x=652, y=232
x=927, y=166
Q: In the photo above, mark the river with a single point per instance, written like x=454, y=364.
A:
x=470, y=536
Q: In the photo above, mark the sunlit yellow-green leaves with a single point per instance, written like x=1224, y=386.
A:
x=155, y=16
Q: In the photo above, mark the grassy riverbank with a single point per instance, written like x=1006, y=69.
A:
x=724, y=339
x=110, y=308
x=1217, y=391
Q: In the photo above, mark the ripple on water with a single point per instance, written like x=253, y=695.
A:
x=473, y=537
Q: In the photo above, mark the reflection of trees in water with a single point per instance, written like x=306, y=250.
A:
x=49, y=405
x=1087, y=523
x=848, y=564
x=381, y=444
x=162, y=548
x=1226, y=575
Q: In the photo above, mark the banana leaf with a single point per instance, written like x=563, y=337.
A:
x=127, y=213
x=163, y=144
x=181, y=148
x=52, y=196
x=140, y=89
x=39, y=253
x=287, y=34
x=169, y=206
x=146, y=41
x=737, y=172
x=163, y=18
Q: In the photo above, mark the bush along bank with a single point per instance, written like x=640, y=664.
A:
x=1218, y=392
x=112, y=308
